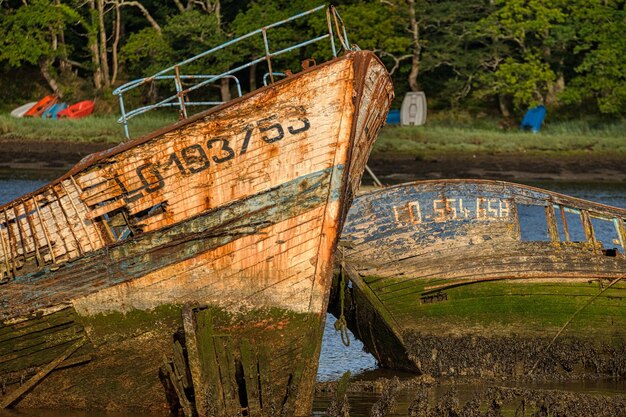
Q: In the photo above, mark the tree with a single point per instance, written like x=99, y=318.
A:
x=600, y=75
x=29, y=34
x=531, y=29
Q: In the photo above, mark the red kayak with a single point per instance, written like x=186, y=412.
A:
x=41, y=106
x=78, y=110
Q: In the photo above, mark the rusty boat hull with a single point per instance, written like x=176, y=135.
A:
x=485, y=278
x=191, y=268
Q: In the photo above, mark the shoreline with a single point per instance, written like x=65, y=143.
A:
x=50, y=159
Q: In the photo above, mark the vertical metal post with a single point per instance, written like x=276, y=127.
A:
x=330, y=32
x=179, y=89
x=124, y=120
x=267, y=54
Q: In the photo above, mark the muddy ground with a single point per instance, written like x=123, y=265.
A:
x=509, y=167
x=42, y=160
x=426, y=397
x=52, y=158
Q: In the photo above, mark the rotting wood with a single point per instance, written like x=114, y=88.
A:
x=68, y=221
x=19, y=232
x=33, y=234
x=12, y=254
x=60, y=232
x=79, y=191
x=5, y=253
x=12, y=398
x=45, y=231
x=193, y=353
x=78, y=215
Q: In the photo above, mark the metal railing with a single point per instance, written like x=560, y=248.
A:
x=181, y=100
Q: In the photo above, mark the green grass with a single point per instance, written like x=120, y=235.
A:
x=439, y=136
x=89, y=129
x=561, y=138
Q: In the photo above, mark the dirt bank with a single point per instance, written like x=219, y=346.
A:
x=510, y=167
x=52, y=158
x=49, y=159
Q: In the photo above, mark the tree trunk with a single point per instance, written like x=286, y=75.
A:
x=225, y=89
x=217, y=9
x=64, y=65
x=416, y=50
x=44, y=67
x=554, y=90
x=145, y=12
x=92, y=36
x=504, y=107
x=104, y=60
x=116, y=42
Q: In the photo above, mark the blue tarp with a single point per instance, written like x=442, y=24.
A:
x=534, y=118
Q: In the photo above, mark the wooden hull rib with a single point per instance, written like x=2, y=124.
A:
x=466, y=277
x=198, y=258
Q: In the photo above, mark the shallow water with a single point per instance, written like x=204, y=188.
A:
x=337, y=358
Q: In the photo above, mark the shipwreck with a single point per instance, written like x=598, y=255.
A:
x=485, y=278
x=190, y=269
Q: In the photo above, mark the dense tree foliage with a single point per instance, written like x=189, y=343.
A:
x=488, y=55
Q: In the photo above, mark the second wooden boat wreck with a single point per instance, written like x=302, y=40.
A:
x=197, y=259
x=468, y=277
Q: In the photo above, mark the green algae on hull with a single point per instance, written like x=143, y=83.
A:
x=486, y=278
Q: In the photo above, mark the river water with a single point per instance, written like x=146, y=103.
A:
x=337, y=358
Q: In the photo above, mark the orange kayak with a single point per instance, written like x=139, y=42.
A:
x=78, y=110
x=41, y=106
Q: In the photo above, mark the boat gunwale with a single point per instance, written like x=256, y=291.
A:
x=559, y=198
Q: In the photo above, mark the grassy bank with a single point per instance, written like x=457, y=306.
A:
x=438, y=137
x=90, y=129
x=564, y=138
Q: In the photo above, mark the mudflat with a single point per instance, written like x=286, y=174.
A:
x=49, y=159
x=515, y=167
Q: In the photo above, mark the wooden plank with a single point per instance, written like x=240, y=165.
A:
x=251, y=374
x=226, y=371
x=45, y=231
x=78, y=216
x=67, y=220
x=61, y=234
x=13, y=397
x=5, y=254
x=93, y=225
x=206, y=374
x=33, y=234
x=19, y=231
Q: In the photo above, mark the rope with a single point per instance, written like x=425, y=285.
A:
x=341, y=325
x=615, y=281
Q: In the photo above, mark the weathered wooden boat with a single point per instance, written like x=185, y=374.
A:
x=468, y=277
x=191, y=268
